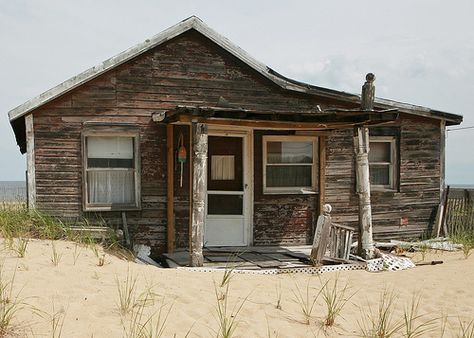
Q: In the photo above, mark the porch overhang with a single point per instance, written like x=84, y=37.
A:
x=321, y=120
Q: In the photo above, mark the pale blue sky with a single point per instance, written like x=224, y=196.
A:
x=421, y=51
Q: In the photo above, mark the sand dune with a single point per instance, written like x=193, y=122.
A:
x=85, y=296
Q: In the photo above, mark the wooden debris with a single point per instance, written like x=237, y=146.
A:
x=321, y=235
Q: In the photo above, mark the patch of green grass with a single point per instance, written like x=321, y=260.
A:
x=21, y=223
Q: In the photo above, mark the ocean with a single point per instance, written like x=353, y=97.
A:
x=12, y=191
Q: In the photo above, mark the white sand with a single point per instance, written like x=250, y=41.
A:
x=86, y=295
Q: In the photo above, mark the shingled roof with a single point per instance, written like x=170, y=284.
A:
x=197, y=24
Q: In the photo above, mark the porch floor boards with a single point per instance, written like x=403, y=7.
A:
x=247, y=258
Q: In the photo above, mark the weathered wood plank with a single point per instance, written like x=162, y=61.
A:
x=30, y=161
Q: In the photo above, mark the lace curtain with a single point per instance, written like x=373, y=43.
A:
x=110, y=170
x=110, y=187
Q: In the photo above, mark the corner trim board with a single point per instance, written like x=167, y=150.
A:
x=30, y=161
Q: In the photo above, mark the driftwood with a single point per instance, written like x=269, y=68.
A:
x=361, y=149
x=199, y=191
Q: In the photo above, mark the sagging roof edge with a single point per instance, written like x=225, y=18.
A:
x=194, y=22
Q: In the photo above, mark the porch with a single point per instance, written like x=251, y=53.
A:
x=253, y=258
x=241, y=159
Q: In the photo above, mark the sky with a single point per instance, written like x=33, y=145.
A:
x=422, y=51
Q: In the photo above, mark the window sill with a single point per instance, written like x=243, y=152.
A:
x=382, y=190
x=112, y=208
x=290, y=192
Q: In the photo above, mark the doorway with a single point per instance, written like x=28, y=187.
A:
x=227, y=205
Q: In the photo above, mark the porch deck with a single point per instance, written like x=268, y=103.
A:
x=250, y=258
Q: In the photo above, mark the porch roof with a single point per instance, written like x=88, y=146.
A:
x=322, y=120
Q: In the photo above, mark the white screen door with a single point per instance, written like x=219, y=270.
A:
x=226, y=195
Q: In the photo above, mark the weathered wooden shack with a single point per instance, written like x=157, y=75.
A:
x=117, y=140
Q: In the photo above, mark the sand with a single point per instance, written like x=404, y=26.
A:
x=83, y=296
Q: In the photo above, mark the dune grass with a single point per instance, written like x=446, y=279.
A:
x=227, y=317
x=335, y=298
x=381, y=322
x=10, y=304
x=18, y=225
x=466, y=239
x=306, y=299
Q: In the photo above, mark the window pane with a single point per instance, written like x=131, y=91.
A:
x=110, y=147
x=224, y=204
x=289, y=176
x=379, y=152
x=379, y=174
x=290, y=152
x=110, y=187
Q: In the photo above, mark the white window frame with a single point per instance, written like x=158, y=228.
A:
x=87, y=206
x=392, y=165
x=314, y=166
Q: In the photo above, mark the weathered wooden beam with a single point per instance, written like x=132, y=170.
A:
x=366, y=246
x=321, y=235
x=170, y=188
x=200, y=146
x=442, y=157
x=30, y=161
x=322, y=173
x=190, y=191
x=255, y=123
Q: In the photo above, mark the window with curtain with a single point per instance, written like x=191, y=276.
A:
x=383, y=162
x=290, y=164
x=111, y=167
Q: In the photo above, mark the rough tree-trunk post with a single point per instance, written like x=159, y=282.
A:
x=361, y=147
x=199, y=159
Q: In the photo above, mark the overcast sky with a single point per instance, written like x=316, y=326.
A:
x=422, y=52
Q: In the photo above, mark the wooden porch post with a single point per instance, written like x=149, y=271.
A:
x=361, y=147
x=170, y=187
x=199, y=131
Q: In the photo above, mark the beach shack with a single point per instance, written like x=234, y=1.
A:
x=188, y=141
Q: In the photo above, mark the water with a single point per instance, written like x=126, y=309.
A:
x=12, y=191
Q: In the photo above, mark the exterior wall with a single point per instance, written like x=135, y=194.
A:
x=188, y=70
x=419, y=181
x=280, y=218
